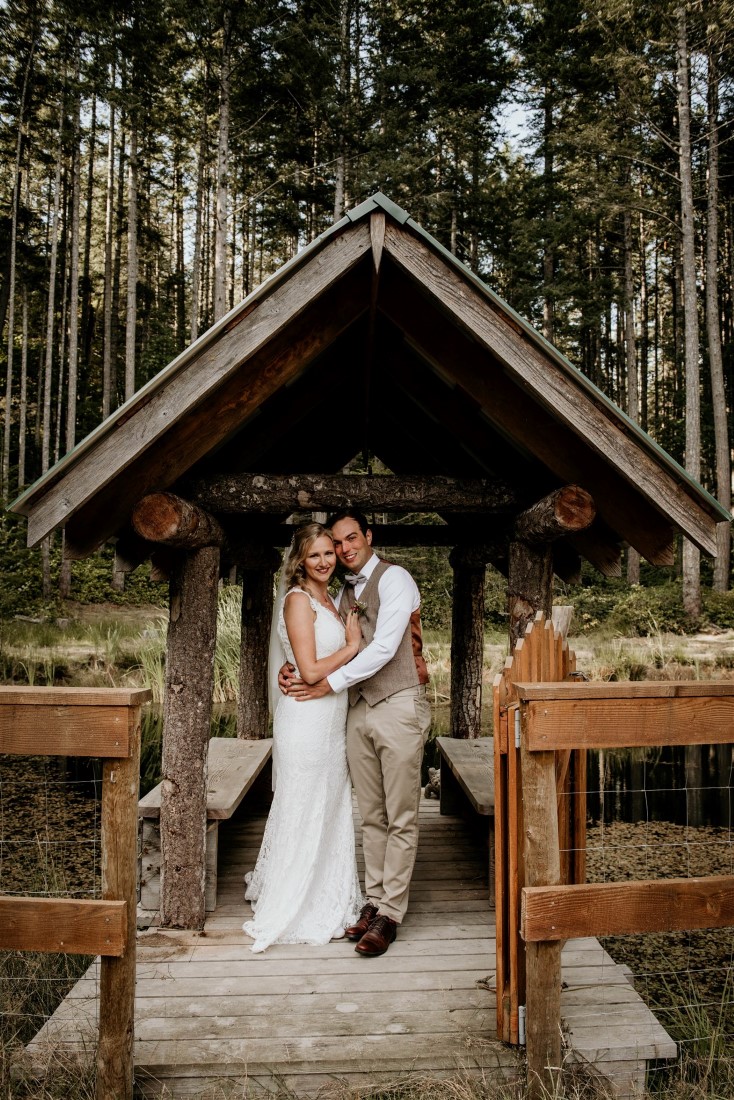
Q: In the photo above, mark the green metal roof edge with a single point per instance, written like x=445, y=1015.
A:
x=566, y=364
x=402, y=217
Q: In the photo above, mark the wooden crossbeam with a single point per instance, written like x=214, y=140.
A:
x=622, y=715
x=72, y=925
x=552, y=913
x=315, y=492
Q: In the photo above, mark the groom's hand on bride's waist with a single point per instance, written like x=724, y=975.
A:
x=290, y=684
x=286, y=677
x=302, y=691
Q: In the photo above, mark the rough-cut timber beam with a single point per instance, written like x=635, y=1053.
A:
x=173, y=521
x=562, y=512
x=314, y=493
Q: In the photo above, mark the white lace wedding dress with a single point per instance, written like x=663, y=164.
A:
x=305, y=888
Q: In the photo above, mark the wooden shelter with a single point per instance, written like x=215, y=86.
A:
x=374, y=338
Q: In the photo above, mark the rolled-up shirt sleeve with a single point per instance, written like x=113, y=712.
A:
x=399, y=598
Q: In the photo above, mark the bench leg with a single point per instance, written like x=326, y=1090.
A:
x=452, y=796
x=210, y=863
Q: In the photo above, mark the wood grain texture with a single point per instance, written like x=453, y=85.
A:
x=467, y=641
x=65, y=730
x=205, y=1003
x=471, y=762
x=618, y=722
x=72, y=925
x=316, y=492
x=192, y=633
x=169, y=519
x=571, y=404
x=625, y=908
x=119, y=864
x=189, y=386
x=561, y=512
x=233, y=765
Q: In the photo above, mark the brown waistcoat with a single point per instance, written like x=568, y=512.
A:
x=407, y=668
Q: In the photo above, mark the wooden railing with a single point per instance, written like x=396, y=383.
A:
x=98, y=722
x=555, y=718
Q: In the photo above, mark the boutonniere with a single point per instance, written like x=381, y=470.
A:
x=360, y=608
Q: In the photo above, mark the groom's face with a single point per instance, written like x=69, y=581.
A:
x=353, y=549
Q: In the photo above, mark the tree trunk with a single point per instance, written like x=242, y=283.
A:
x=220, y=233
x=257, y=566
x=107, y=386
x=50, y=314
x=343, y=107
x=196, y=261
x=192, y=632
x=132, y=261
x=691, y=553
x=467, y=641
x=713, y=331
x=633, y=401
x=74, y=268
x=548, y=244
x=17, y=176
x=23, y=412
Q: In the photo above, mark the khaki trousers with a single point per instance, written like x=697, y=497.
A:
x=385, y=750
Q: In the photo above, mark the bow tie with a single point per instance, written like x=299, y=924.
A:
x=355, y=578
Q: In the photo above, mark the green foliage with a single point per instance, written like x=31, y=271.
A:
x=643, y=610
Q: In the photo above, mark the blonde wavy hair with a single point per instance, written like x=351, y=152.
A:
x=303, y=540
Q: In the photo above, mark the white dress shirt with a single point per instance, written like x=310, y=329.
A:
x=399, y=598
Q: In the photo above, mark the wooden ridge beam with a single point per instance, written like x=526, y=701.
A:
x=316, y=492
x=551, y=913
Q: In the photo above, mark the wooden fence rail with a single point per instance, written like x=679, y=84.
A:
x=100, y=722
x=555, y=718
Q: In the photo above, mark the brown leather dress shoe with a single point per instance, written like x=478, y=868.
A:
x=367, y=915
x=378, y=936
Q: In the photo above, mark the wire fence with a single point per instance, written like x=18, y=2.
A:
x=663, y=813
x=50, y=838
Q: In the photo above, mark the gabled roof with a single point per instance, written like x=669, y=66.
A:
x=375, y=336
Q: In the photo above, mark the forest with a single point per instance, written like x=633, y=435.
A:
x=161, y=158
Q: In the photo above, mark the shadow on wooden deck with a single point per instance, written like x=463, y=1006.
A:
x=212, y=1017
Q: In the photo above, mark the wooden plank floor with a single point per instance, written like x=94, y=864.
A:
x=213, y=1019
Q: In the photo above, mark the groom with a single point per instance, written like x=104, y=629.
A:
x=387, y=724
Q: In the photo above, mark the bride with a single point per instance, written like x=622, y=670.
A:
x=305, y=888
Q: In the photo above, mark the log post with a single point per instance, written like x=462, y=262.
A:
x=168, y=519
x=467, y=640
x=192, y=630
x=257, y=564
x=529, y=586
x=530, y=574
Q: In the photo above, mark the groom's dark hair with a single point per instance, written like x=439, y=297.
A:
x=349, y=513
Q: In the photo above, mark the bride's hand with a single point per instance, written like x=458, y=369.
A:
x=353, y=630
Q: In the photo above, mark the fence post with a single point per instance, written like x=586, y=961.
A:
x=543, y=960
x=120, y=790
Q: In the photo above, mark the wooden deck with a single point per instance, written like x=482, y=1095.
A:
x=211, y=1017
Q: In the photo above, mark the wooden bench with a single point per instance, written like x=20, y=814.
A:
x=467, y=774
x=232, y=768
